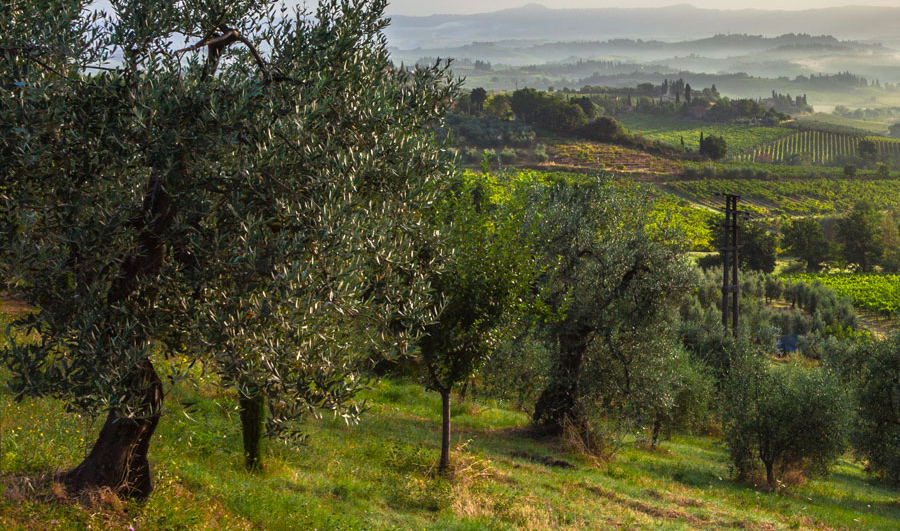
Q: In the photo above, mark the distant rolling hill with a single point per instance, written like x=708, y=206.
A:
x=536, y=22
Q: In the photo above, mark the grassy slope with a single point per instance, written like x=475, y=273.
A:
x=376, y=476
x=832, y=119
x=671, y=130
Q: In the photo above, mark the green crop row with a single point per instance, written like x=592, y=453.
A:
x=792, y=197
x=815, y=147
x=876, y=293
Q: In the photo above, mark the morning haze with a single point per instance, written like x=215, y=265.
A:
x=430, y=7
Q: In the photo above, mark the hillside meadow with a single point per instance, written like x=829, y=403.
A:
x=380, y=474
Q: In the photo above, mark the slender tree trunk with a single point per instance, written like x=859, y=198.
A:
x=118, y=459
x=462, y=392
x=445, y=432
x=657, y=424
x=770, y=475
x=253, y=421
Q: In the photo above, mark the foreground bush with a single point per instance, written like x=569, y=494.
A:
x=877, y=433
x=782, y=416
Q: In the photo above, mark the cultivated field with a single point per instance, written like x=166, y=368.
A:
x=814, y=147
x=873, y=293
x=671, y=130
x=791, y=197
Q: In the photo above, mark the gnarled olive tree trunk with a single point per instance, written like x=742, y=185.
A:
x=118, y=459
x=559, y=405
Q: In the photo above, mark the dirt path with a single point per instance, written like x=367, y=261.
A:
x=11, y=306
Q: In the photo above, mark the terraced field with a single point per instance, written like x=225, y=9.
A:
x=593, y=156
x=815, y=147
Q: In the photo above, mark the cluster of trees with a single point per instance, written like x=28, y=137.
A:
x=783, y=103
x=841, y=79
x=743, y=111
x=864, y=238
x=878, y=115
x=510, y=119
x=245, y=205
x=802, y=413
x=678, y=98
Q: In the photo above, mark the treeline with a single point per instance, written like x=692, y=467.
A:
x=864, y=239
x=877, y=115
x=512, y=119
x=679, y=98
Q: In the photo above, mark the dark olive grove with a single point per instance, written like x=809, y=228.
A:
x=252, y=201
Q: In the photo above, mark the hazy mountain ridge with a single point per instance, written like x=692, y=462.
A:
x=682, y=22
x=719, y=46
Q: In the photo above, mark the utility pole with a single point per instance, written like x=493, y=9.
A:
x=730, y=264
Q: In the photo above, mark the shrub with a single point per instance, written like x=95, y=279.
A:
x=508, y=155
x=603, y=129
x=713, y=147
x=782, y=416
x=877, y=432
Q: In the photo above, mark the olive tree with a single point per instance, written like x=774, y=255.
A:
x=608, y=280
x=251, y=199
x=876, y=384
x=477, y=286
x=782, y=416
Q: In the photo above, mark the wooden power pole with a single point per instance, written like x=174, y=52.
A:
x=729, y=252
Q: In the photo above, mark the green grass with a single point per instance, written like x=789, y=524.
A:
x=821, y=118
x=671, y=130
x=377, y=475
x=791, y=197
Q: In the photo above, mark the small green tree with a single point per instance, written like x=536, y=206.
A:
x=758, y=249
x=895, y=130
x=713, y=146
x=604, y=129
x=877, y=387
x=867, y=148
x=805, y=238
x=477, y=97
x=477, y=285
x=782, y=416
x=859, y=233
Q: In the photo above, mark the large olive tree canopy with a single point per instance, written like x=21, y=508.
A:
x=233, y=182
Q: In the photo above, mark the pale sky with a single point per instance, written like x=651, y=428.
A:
x=430, y=7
